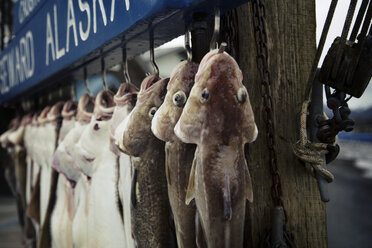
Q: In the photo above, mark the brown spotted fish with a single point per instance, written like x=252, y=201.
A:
x=150, y=204
x=179, y=156
x=218, y=118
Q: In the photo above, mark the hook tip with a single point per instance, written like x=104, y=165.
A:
x=222, y=47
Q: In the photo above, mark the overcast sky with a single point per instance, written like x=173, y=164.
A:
x=322, y=6
x=335, y=30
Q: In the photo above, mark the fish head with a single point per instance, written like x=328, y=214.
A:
x=178, y=90
x=55, y=112
x=137, y=135
x=125, y=100
x=69, y=110
x=77, y=149
x=68, y=115
x=85, y=108
x=218, y=108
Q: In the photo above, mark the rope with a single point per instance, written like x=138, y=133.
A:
x=311, y=153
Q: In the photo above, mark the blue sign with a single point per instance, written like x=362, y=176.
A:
x=23, y=11
x=64, y=35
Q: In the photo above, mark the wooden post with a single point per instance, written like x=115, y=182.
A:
x=291, y=42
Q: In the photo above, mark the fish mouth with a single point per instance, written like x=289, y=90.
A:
x=159, y=125
x=85, y=108
x=132, y=148
x=69, y=109
x=180, y=133
x=55, y=112
x=104, y=105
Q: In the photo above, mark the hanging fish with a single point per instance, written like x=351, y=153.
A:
x=64, y=163
x=150, y=204
x=41, y=159
x=19, y=171
x=179, y=156
x=63, y=160
x=48, y=178
x=33, y=207
x=27, y=141
x=63, y=212
x=29, y=230
x=98, y=163
x=218, y=118
x=125, y=100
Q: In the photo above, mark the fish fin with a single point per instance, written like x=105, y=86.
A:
x=190, y=193
x=167, y=165
x=200, y=239
x=133, y=196
x=227, y=211
x=117, y=192
x=248, y=185
x=33, y=208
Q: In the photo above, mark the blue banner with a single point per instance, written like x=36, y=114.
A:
x=62, y=35
x=23, y=11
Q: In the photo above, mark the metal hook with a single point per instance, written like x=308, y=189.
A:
x=216, y=33
x=85, y=83
x=125, y=67
x=152, y=56
x=222, y=47
x=126, y=71
x=103, y=74
x=187, y=43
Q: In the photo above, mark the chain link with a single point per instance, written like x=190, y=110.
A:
x=229, y=34
x=259, y=24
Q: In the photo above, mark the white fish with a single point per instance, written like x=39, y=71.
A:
x=125, y=100
x=94, y=157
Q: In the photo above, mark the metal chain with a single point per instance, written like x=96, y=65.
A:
x=259, y=24
x=279, y=237
x=229, y=34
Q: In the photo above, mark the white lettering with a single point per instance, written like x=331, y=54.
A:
x=59, y=52
x=103, y=13
x=112, y=15
x=84, y=6
x=25, y=8
x=70, y=23
x=18, y=64
x=4, y=74
x=49, y=41
x=19, y=68
x=31, y=55
x=10, y=64
x=23, y=50
x=127, y=4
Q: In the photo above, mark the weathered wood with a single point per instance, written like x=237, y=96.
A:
x=291, y=41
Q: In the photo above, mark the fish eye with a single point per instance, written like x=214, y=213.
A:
x=242, y=95
x=179, y=98
x=204, y=95
x=152, y=112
